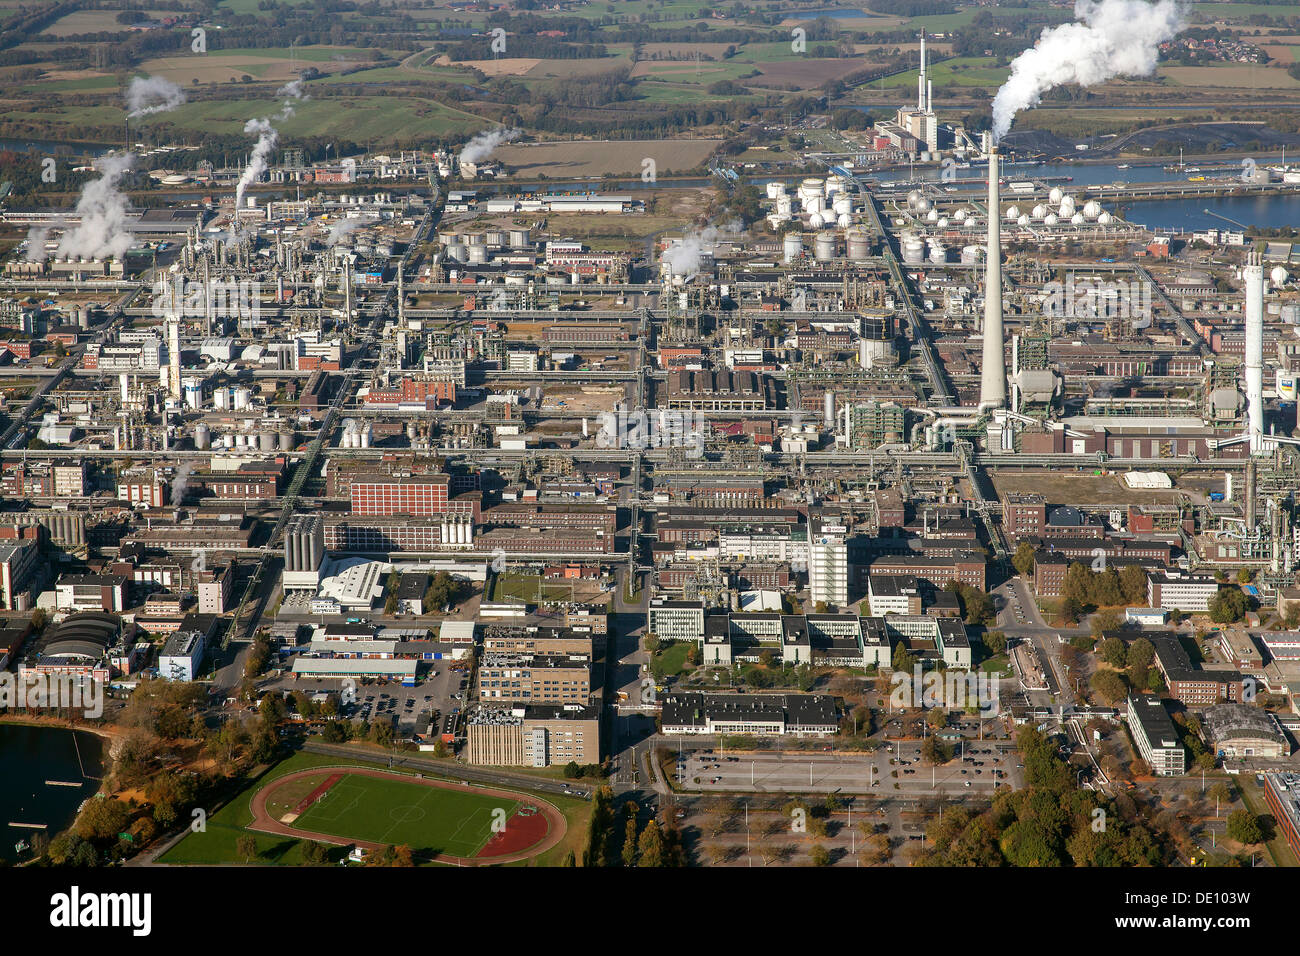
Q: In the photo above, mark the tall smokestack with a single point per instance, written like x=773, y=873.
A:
x=993, y=372
x=920, y=80
x=174, y=357
x=1254, y=274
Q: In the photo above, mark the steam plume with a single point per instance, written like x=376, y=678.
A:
x=481, y=146
x=103, y=229
x=1112, y=38
x=266, y=137
x=684, y=256
x=152, y=94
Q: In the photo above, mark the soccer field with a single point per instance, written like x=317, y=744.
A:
x=427, y=819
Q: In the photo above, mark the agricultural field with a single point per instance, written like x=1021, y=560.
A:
x=1239, y=76
x=594, y=158
x=271, y=65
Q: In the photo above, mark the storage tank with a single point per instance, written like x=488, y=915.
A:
x=1105, y=219
x=775, y=189
x=521, y=238
x=970, y=255
x=1278, y=277
x=922, y=205
x=858, y=243
x=810, y=191
x=1050, y=219
x=266, y=441
x=960, y=215
x=1077, y=219
x=843, y=205
x=1022, y=220
x=202, y=437
x=286, y=441
x=221, y=398
x=932, y=216
x=364, y=433
x=791, y=246
x=1013, y=213
x=835, y=184
x=1091, y=209
x=496, y=238
x=478, y=255
x=1056, y=195
x=1039, y=211
x=474, y=239
x=243, y=397
x=458, y=251
x=815, y=221
x=824, y=247
x=913, y=251
x=938, y=253
x=913, y=198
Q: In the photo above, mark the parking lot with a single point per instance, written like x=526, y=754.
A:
x=438, y=690
x=980, y=768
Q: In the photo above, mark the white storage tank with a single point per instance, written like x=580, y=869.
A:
x=824, y=247
x=243, y=398
x=775, y=189
x=792, y=246
x=1077, y=219
x=970, y=255
x=1091, y=209
x=1105, y=219
x=202, y=437
x=1039, y=211
x=1056, y=195
x=521, y=238
x=938, y=254
x=858, y=243
x=913, y=251
x=1013, y=213
x=815, y=221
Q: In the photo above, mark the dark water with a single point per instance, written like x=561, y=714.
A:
x=1269, y=212
x=28, y=757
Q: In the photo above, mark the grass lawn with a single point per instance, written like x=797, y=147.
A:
x=523, y=587
x=430, y=820
x=216, y=844
x=670, y=661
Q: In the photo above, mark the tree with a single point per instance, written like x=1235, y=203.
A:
x=630, y=836
x=651, y=846
x=995, y=641
x=1133, y=582
x=1109, y=686
x=1023, y=559
x=1112, y=651
x=1228, y=606
x=1243, y=826
x=819, y=855
x=103, y=818
x=1141, y=653
x=937, y=718
x=246, y=846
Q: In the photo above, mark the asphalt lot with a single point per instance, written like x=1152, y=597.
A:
x=378, y=698
x=803, y=772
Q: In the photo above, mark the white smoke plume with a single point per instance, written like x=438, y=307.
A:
x=266, y=137
x=292, y=90
x=152, y=94
x=685, y=255
x=340, y=229
x=180, y=482
x=103, y=228
x=36, y=243
x=481, y=146
x=1112, y=38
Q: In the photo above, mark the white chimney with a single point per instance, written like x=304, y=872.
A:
x=993, y=372
x=1254, y=275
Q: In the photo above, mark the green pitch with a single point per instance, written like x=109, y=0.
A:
x=427, y=819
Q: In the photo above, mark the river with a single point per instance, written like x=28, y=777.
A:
x=29, y=756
